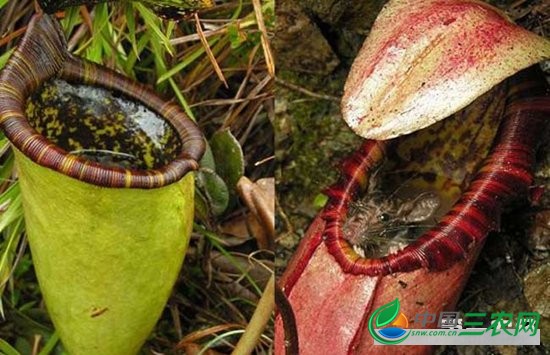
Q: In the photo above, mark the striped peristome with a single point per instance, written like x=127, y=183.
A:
x=506, y=172
x=41, y=56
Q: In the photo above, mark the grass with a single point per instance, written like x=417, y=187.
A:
x=218, y=66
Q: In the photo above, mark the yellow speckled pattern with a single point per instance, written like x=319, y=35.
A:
x=89, y=121
x=437, y=159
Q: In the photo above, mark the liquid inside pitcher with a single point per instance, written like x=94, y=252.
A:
x=102, y=126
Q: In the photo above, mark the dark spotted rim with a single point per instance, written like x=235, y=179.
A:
x=42, y=55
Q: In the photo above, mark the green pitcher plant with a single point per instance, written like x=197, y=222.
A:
x=105, y=169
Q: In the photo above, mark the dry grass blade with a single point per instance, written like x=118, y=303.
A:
x=265, y=39
x=220, y=102
x=253, y=93
x=244, y=82
x=87, y=18
x=200, y=334
x=208, y=50
x=196, y=36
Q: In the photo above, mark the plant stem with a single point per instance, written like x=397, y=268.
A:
x=259, y=320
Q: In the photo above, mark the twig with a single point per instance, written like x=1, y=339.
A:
x=223, y=102
x=306, y=91
x=286, y=220
x=6, y=39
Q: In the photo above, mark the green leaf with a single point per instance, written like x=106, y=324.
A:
x=152, y=23
x=95, y=51
x=22, y=345
x=214, y=189
x=131, y=22
x=387, y=313
x=71, y=19
x=201, y=205
x=159, y=60
x=207, y=160
x=50, y=344
x=236, y=37
x=133, y=56
x=181, y=99
x=217, y=243
x=7, y=349
x=187, y=60
x=4, y=57
x=238, y=11
x=228, y=156
x=320, y=201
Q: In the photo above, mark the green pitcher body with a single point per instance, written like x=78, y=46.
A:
x=106, y=258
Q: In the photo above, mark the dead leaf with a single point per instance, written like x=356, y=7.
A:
x=259, y=197
x=236, y=230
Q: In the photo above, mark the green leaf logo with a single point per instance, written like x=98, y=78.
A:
x=387, y=313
